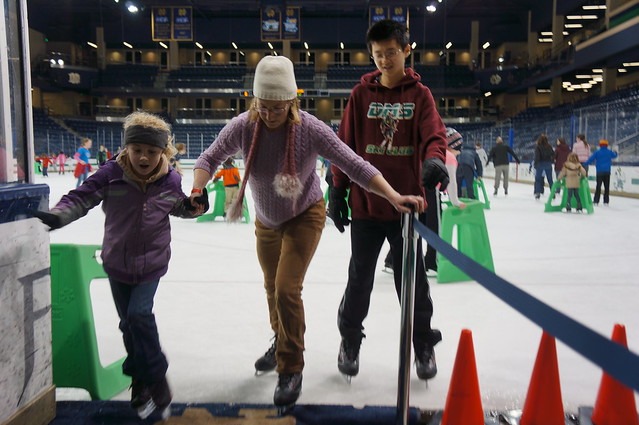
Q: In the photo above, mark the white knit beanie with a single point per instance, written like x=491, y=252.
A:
x=274, y=79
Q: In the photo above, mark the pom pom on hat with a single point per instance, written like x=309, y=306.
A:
x=275, y=79
x=453, y=138
x=603, y=142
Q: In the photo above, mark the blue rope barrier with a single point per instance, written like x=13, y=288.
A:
x=615, y=359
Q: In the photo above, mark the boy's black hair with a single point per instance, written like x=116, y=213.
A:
x=387, y=29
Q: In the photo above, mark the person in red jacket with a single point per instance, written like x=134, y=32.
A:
x=391, y=121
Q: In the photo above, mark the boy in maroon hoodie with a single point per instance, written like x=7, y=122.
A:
x=391, y=121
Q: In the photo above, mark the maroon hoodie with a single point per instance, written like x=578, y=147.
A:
x=561, y=155
x=404, y=118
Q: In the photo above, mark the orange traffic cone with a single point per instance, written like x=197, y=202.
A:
x=543, y=404
x=615, y=402
x=463, y=403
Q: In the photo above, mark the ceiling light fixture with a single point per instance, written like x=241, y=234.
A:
x=486, y=45
x=127, y=44
x=449, y=45
x=341, y=45
x=95, y=46
x=306, y=45
x=431, y=8
x=234, y=45
x=197, y=43
x=163, y=45
x=414, y=45
x=270, y=46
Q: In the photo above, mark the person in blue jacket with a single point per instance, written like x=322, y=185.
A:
x=603, y=161
x=138, y=192
x=468, y=166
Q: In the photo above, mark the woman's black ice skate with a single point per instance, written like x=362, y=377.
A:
x=287, y=391
x=267, y=362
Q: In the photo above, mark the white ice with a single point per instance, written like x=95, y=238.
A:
x=213, y=323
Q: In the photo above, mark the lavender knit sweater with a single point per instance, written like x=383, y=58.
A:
x=313, y=138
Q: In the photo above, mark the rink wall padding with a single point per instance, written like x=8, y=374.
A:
x=119, y=413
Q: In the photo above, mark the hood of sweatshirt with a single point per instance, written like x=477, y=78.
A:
x=372, y=79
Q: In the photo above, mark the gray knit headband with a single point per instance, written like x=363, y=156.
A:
x=147, y=136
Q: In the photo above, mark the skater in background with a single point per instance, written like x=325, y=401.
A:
x=499, y=156
x=544, y=156
x=468, y=166
x=280, y=144
x=138, y=191
x=175, y=161
x=603, y=162
x=103, y=156
x=82, y=156
x=405, y=142
x=61, y=159
x=561, y=155
x=481, y=152
x=573, y=172
x=582, y=149
x=230, y=176
x=45, y=161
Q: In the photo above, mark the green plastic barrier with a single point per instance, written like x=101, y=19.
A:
x=584, y=194
x=218, y=205
x=479, y=184
x=472, y=240
x=76, y=360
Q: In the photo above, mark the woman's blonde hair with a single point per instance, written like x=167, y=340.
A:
x=293, y=113
x=147, y=119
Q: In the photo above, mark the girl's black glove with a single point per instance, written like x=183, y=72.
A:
x=51, y=220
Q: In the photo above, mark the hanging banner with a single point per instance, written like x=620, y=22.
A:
x=377, y=13
x=271, y=28
x=161, y=20
x=172, y=23
x=399, y=14
x=291, y=26
x=183, y=23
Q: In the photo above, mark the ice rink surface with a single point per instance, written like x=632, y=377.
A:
x=213, y=322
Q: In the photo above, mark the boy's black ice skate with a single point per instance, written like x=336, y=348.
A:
x=287, y=391
x=140, y=394
x=160, y=400
x=348, y=357
x=267, y=362
x=425, y=364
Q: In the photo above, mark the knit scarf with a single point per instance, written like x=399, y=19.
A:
x=286, y=183
x=161, y=170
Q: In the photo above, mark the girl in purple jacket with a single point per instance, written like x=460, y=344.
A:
x=138, y=192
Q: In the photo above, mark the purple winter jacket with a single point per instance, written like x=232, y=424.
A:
x=137, y=232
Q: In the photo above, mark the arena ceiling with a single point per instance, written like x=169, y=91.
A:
x=218, y=22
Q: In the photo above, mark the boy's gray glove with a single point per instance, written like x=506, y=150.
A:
x=338, y=208
x=434, y=172
x=51, y=220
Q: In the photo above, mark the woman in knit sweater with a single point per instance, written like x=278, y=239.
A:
x=280, y=144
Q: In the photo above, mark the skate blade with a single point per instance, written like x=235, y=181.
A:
x=347, y=378
x=388, y=270
x=166, y=413
x=285, y=410
x=262, y=372
x=146, y=409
